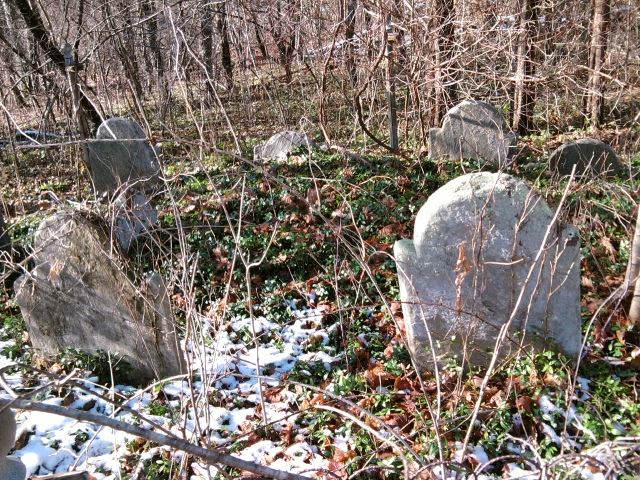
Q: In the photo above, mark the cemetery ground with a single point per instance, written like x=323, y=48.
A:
x=287, y=266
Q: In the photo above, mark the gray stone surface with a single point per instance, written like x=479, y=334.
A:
x=472, y=130
x=77, y=296
x=135, y=216
x=280, y=145
x=474, y=247
x=10, y=468
x=130, y=160
x=591, y=157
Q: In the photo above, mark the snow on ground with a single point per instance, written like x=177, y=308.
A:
x=224, y=404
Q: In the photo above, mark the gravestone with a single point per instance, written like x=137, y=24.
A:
x=280, y=145
x=591, y=157
x=135, y=215
x=472, y=130
x=124, y=156
x=126, y=159
x=479, y=241
x=77, y=296
x=10, y=468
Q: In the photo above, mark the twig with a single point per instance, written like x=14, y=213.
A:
x=208, y=456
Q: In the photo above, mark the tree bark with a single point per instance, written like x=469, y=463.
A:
x=525, y=90
x=597, y=51
x=225, y=44
x=206, y=42
x=633, y=270
x=349, y=35
x=446, y=76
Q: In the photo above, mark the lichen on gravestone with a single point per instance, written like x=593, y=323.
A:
x=125, y=167
x=78, y=296
x=473, y=130
x=121, y=155
x=487, y=253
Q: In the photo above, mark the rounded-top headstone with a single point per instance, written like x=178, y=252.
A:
x=126, y=156
x=590, y=157
x=473, y=129
x=479, y=242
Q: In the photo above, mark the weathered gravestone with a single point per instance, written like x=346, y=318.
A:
x=135, y=216
x=77, y=296
x=280, y=145
x=127, y=163
x=10, y=468
x=591, y=157
x=124, y=156
x=479, y=242
x=472, y=130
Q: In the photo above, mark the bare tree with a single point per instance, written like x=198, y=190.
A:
x=42, y=37
x=525, y=89
x=597, y=52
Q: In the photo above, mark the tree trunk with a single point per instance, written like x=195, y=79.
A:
x=225, y=44
x=446, y=76
x=284, y=34
x=148, y=10
x=33, y=20
x=349, y=34
x=206, y=33
x=525, y=90
x=597, y=51
x=633, y=270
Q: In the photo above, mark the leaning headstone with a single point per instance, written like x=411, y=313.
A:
x=480, y=259
x=77, y=296
x=590, y=157
x=10, y=468
x=124, y=156
x=472, y=130
x=281, y=145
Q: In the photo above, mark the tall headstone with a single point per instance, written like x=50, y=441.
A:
x=472, y=130
x=479, y=242
x=280, y=145
x=10, y=468
x=123, y=161
x=590, y=157
x=121, y=154
x=77, y=296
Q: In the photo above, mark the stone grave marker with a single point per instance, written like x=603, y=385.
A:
x=280, y=145
x=77, y=296
x=135, y=216
x=591, y=157
x=472, y=130
x=474, y=250
x=10, y=468
x=129, y=160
